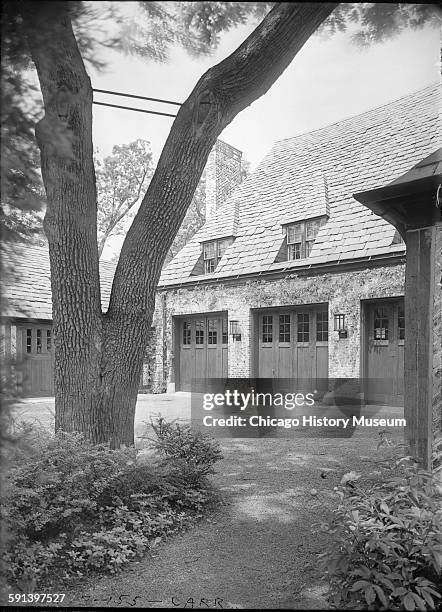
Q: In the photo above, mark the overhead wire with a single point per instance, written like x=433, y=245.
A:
x=132, y=108
x=126, y=95
x=139, y=110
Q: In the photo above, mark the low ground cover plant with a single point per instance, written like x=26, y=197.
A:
x=70, y=507
x=385, y=549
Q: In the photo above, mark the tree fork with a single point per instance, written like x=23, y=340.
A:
x=99, y=357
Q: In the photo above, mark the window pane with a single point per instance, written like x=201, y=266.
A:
x=267, y=328
x=312, y=228
x=401, y=323
x=381, y=323
x=294, y=233
x=187, y=334
x=322, y=326
x=38, y=340
x=294, y=251
x=48, y=339
x=209, y=266
x=303, y=327
x=284, y=328
x=199, y=332
x=29, y=340
x=225, y=338
x=222, y=246
x=212, y=337
x=209, y=250
x=308, y=247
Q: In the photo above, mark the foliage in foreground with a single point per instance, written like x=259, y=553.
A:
x=386, y=547
x=70, y=507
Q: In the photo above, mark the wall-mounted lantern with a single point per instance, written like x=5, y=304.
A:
x=340, y=325
x=235, y=330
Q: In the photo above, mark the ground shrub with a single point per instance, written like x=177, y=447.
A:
x=70, y=507
x=385, y=548
x=196, y=448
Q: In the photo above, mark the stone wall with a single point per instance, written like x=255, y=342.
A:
x=342, y=290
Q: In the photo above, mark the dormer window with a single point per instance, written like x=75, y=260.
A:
x=210, y=257
x=301, y=237
x=213, y=252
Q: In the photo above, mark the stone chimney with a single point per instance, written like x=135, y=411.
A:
x=223, y=174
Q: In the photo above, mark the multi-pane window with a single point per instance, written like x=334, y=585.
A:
x=213, y=252
x=212, y=336
x=301, y=237
x=224, y=335
x=38, y=340
x=322, y=326
x=29, y=340
x=311, y=231
x=199, y=332
x=294, y=251
x=187, y=334
x=303, y=327
x=401, y=323
x=294, y=240
x=381, y=323
x=210, y=262
x=267, y=328
x=284, y=328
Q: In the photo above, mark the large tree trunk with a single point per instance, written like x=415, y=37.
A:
x=99, y=356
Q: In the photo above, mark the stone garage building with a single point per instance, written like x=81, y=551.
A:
x=291, y=276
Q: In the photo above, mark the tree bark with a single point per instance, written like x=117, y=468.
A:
x=99, y=356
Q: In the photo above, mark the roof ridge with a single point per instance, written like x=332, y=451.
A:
x=367, y=112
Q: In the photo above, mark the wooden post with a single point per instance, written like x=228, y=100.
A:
x=422, y=345
x=412, y=204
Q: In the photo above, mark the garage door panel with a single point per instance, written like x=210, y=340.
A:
x=187, y=364
x=37, y=367
x=285, y=362
x=203, y=349
x=305, y=362
x=287, y=343
x=322, y=361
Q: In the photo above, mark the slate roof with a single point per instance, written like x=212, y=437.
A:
x=313, y=173
x=304, y=176
x=430, y=166
x=26, y=284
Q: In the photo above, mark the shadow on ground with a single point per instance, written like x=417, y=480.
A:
x=259, y=549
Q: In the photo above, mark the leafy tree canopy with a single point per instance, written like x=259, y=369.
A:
x=195, y=26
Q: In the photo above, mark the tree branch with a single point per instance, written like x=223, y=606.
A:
x=221, y=93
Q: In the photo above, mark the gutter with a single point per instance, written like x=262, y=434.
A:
x=318, y=268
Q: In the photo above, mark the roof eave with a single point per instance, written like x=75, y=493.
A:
x=407, y=204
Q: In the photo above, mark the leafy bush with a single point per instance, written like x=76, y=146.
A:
x=386, y=547
x=71, y=507
x=181, y=442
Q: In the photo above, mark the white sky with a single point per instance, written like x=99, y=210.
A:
x=326, y=82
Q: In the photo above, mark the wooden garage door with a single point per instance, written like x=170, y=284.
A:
x=293, y=343
x=385, y=338
x=37, y=355
x=203, y=349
